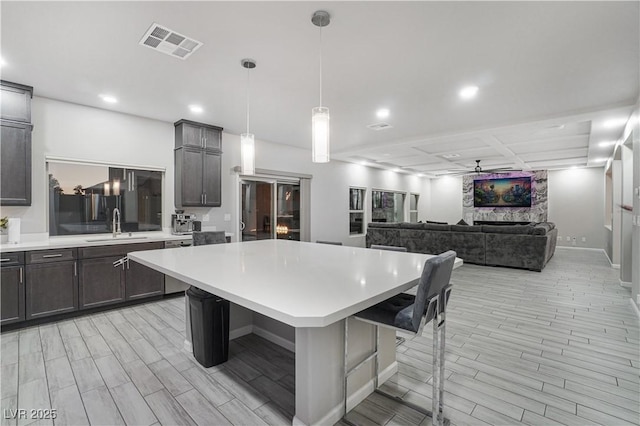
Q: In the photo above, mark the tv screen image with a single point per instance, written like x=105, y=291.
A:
x=502, y=192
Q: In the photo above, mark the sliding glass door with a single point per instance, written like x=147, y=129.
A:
x=270, y=208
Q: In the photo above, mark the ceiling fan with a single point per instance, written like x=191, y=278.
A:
x=478, y=169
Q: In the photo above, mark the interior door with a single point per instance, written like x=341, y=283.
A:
x=257, y=209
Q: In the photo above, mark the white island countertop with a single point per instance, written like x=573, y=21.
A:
x=298, y=283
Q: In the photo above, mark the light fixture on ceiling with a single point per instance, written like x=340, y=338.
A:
x=196, y=109
x=614, y=122
x=2, y=62
x=109, y=99
x=468, y=92
x=600, y=160
x=320, y=115
x=382, y=113
x=606, y=144
x=247, y=141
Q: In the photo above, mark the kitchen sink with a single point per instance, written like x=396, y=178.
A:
x=115, y=239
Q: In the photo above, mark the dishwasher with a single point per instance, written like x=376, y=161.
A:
x=172, y=285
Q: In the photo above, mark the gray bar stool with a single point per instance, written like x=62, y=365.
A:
x=208, y=237
x=408, y=313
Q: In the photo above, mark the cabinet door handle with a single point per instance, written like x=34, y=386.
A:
x=75, y=268
x=205, y=198
x=5, y=260
x=21, y=275
x=48, y=256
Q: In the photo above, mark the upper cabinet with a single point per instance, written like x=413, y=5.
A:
x=198, y=165
x=15, y=147
x=15, y=102
x=198, y=135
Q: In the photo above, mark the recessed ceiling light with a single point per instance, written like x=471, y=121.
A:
x=364, y=163
x=420, y=175
x=600, y=160
x=607, y=143
x=450, y=155
x=196, y=109
x=2, y=62
x=397, y=170
x=109, y=99
x=468, y=92
x=614, y=122
x=382, y=113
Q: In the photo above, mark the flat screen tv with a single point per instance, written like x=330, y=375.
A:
x=502, y=192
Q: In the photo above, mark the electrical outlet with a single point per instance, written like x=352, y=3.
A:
x=568, y=238
x=205, y=218
x=573, y=241
x=227, y=217
x=559, y=238
x=584, y=239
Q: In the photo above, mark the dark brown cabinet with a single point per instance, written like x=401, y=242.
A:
x=143, y=281
x=15, y=148
x=51, y=283
x=12, y=288
x=198, y=135
x=102, y=283
x=198, y=165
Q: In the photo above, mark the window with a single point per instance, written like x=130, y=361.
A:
x=387, y=206
x=82, y=198
x=356, y=211
x=413, y=208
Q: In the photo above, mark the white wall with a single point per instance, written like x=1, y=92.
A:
x=446, y=200
x=576, y=200
x=68, y=130
x=73, y=131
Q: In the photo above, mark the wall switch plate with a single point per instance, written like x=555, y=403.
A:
x=568, y=238
x=205, y=218
x=584, y=239
x=559, y=238
x=227, y=217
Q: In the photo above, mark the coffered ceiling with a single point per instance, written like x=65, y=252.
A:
x=550, y=74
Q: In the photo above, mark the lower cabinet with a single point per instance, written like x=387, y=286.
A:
x=52, y=288
x=143, y=281
x=12, y=294
x=100, y=283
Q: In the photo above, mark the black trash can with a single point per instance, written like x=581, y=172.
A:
x=209, y=327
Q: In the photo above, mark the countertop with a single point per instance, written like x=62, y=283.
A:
x=91, y=240
x=298, y=283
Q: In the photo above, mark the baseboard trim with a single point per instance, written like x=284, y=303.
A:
x=274, y=338
x=635, y=308
x=625, y=284
x=242, y=331
x=583, y=248
x=613, y=265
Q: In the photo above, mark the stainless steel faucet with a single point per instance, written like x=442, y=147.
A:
x=116, y=222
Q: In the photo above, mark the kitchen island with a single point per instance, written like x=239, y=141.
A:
x=313, y=288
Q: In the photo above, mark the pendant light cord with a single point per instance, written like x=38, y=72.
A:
x=320, y=66
x=248, y=94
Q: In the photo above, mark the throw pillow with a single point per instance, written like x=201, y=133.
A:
x=462, y=222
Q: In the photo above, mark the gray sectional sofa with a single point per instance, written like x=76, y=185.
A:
x=519, y=246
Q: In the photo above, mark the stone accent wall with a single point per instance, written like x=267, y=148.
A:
x=536, y=213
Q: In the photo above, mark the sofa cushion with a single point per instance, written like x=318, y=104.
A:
x=466, y=228
x=543, y=228
x=384, y=225
x=507, y=229
x=462, y=222
x=436, y=227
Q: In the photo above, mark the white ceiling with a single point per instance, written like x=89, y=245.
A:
x=550, y=73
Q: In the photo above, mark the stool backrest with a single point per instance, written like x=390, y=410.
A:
x=208, y=237
x=389, y=248
x=335, y=243
x=434, y=280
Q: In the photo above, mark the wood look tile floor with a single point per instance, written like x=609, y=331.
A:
x=556, y=347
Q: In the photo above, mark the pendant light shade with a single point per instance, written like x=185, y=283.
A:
x=320, y=128
x=247, y=154
x=320, y=134
x=247, y=140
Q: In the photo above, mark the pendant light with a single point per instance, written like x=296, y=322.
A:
x=247, y=142
x=320, y=114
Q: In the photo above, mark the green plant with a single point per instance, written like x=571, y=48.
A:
x=4, y=222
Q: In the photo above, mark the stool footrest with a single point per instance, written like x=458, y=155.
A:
x=399, y=400
x=361, y=363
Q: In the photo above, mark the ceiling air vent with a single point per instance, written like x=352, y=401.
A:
x=379, y=126
x=169, y=42
x=450, y=156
